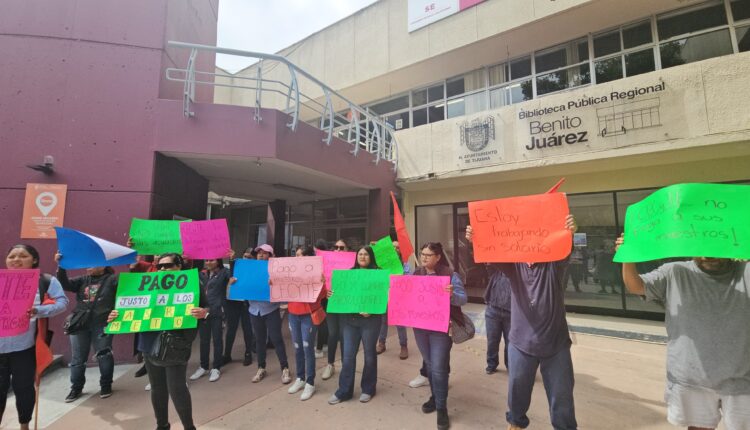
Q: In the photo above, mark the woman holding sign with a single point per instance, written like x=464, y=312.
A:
x=356, y=328
x=216, y=290
x=435, y=346
x=17, y=353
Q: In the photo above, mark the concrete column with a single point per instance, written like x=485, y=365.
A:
x=276, y=223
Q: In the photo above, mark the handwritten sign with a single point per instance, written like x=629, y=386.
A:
x=252, y=281
x=386, y=256
x=155, y=301
x=205, y=239
x=528, y=229
x=295, y=279
x=17, y=291
x=333, y=260
x=420, y=302
x=155, y=237
x=688, y=220
x=359, y=290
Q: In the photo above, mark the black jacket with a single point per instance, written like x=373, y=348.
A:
x=97, y=291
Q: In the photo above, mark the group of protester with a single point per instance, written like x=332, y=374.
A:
x=707, y=302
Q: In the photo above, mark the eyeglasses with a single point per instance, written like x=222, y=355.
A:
x=422, y=254
x=163, y=266
x=339, y=248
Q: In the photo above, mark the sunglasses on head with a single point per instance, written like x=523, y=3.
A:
x=339, y=248
x=161, y=266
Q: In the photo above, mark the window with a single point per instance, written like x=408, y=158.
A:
x=740, y=9
x=559, y=57
x=465, y=95
x=692, y=21
x=391, y=105
x=514, y=92
x=640, y=62
x=619, y=52
x=700, y=41
x=695, y=48
x=637, y=35
x=607, y=44
x=743, y=39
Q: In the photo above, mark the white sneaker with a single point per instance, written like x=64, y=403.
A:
x=214, y=376
x=148, y=387
x=298, y=385
x=419, y=381
x=285, y=378
x=198, y=374
x=308, y=392
x=319, y=353
x=260, y=375
x=328, y=372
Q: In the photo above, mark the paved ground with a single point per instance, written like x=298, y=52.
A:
x=619, y=385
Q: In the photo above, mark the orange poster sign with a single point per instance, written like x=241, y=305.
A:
x=43, y=209
x=528, y=229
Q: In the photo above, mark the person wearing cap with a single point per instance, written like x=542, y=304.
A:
x=265, y=318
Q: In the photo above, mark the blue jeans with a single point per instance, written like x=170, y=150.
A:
x=269, y=325
x=355, y=330
x=303, y=337
x=80, y=344
x=557, y=375
x=435, y=348
x=401, y=330
x=497, y=322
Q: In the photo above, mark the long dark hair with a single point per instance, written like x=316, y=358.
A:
x=437, y=248
x=373, y=263
x=307, y=251
x=30, y=249
x=176, y=258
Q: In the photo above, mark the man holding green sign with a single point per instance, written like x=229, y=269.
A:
x=707, y=299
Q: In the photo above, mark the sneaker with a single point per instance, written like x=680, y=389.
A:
x=198, y=374
x=73, y=395
x=419, y=381
x=319, y=353
x=364, y=398
x=443, y=422
x=307, y=392
x=428, y=407
x=226, y=359
x=298, y=385
x=328, y=372
x=214, y=376
x=140, y=372
x=380, y=348
x=404, y=354
x=148, y=387
x=260, y=375
x=248, y=359
x=333, y=400
x=105, y=392
x=285, y=378
x=490, y=370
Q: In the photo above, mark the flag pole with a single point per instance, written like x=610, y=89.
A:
x=36, y=404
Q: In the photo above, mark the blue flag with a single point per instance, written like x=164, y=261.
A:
x=80, y=250
x=252, y=281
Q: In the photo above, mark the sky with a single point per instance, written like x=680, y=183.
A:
x=270, y=25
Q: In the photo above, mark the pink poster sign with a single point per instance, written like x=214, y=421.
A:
x=295, y=279
x=333, y=260
x=420, y=302
x=17, y=291
x=205, y=240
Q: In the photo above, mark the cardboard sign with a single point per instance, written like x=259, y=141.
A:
x=333, y=260
x=155, y=301
x=205, y=239
x=252, y=281
x=295, y=279
x=17, y=291
x=359, y=291
x=386, y=256
x=688, y=220
x=420, y=302
x=43, y=209
x=81, y=250
x=529, y=229
x=155, y=237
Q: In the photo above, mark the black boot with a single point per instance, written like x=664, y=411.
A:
x=429, y=406
x=443, y=423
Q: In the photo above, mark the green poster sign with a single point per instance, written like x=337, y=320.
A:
x=359, y=290
x=387, y=257
x=154, y=237
x=688, y=220
x=155, y=301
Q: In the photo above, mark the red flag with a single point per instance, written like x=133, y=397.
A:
x=556, y=186
x=404, y=243
x=43, y=351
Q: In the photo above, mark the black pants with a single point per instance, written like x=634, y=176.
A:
x=166, y=382
x=208, y=329
x=17, y=369
x=322, y=329
x=269, y=326
x=236, y=313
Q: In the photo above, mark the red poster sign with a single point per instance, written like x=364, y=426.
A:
x=43, y=209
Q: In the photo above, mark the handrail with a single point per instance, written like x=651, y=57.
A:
x=353, y=123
